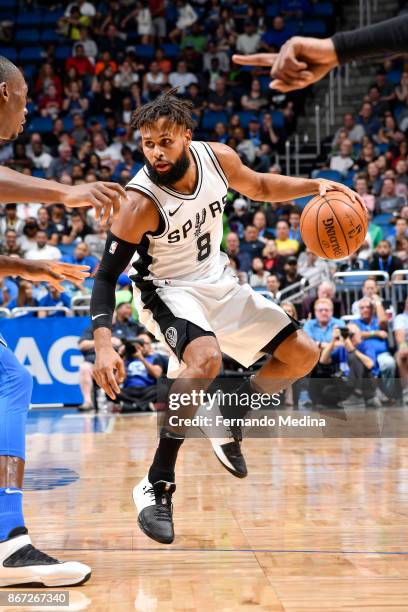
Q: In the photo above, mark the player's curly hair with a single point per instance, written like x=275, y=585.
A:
x=167, y=105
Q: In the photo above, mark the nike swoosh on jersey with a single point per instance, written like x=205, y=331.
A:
x=13, y=491
x=99, y=315
x=173, y=212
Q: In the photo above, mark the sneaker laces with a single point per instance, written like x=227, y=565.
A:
x=236, y=432
x=164, y=507
x=234, y=447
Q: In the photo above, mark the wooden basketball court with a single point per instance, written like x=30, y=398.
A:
x=319, y=524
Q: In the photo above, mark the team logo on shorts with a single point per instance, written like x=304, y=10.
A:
x=171, y=336
x=113, y=247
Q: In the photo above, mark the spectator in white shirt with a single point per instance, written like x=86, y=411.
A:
x=154, y=80
x=89, y=45
x=249, y=41
x=109, y=156
x=43, y=250
x=185, y=19
x=313, y=268
x=355, y=132
x=181, y=78
x=41, y=159
x=343, y=162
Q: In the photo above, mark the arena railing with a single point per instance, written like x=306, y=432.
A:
x=15, y=312
x=81, y=304
x=348, y=284
x=399, y=288
x=295, y=292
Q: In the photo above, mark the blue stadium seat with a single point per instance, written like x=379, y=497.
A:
x=38, y=172
x=294, y=25
x=272, y=10
x=211, y=118
x=9, y=4
x=170, y=50
x=301, y=202
x=68, y=124
x=24, y=37
x=145, y=51
x=278, y=119
x=394, y=76
x=50, y=36
x=264, y=81
x=51, y=17
x=171, y=12
x=349, y=180
x=314, y=27
x=383, y=219
x=63, y=52
x=100, y=118
x=382, y=147
x=31, y=54
x=330, y=175
x=398, y=110
x=245, y=116
x=40, y=124
x=323, y=9
x=356, y=149
x=33, y=18
x=9, y=52
x=31, y=107
x=30, y=70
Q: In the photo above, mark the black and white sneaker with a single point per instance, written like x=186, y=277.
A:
x=224, y=440
x=230, y=456
x=23, y=565
x=155, y=509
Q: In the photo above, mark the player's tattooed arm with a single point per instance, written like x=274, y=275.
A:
x=137, y=216
x=104, y=197
x=264, y=187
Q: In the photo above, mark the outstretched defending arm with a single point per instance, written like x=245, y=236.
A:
x=305, y=60
x=104, y=197
x=266, y=187
x=53, y=272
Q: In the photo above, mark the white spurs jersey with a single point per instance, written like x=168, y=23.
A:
x=186, y=246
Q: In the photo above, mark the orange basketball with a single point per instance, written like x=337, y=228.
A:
x=333, y=226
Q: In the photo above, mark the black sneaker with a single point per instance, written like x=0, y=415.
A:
x=230, y=456
x=23, y=565
x=155, y=509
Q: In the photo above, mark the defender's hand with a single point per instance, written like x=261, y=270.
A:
x=300, y=62
x=54, y=272
x=103, y=197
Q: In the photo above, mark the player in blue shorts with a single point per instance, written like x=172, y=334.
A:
x=20, y=562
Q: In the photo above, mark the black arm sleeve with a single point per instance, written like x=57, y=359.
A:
x=116, y=257
x=390, y=36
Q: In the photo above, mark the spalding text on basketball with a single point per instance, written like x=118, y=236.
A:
x=331, y=234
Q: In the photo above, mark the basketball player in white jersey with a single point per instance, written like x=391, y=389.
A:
x=185, y=292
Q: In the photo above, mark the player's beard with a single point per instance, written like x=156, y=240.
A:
x=175, y=174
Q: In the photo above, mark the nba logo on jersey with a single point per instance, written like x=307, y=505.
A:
x=171, y=336
x=113, y=247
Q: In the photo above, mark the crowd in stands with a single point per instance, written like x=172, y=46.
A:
x=90, y=64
